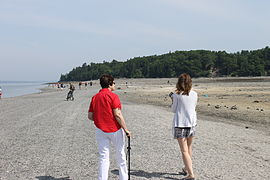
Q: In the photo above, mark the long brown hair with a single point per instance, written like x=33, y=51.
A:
x=184, y=84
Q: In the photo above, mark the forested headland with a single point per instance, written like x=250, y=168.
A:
x=198, y=63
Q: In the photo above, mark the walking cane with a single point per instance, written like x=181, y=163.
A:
x=128, y=157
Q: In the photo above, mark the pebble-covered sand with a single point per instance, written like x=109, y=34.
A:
x=243, y=101
x=45, y=137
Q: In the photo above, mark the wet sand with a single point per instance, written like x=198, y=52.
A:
x=45, y=137
x=243, y=101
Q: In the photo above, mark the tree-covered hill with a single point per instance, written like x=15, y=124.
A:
x=198, y=63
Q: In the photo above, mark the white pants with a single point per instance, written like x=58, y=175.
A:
x=118, y=140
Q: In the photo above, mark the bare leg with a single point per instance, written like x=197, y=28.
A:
x=183, y=143
x=189, y=142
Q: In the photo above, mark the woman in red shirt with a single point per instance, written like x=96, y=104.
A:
x=105, y=111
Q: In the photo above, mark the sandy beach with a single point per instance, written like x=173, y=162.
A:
x=45, y=137
x=244, y=101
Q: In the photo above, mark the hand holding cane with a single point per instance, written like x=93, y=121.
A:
x=128, y=154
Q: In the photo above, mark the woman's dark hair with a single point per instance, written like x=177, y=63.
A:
x=184, y=84
x=106, y=80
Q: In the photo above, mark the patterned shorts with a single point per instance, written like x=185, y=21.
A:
x=184, y=132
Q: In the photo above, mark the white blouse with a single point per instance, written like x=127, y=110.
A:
x=184, y=108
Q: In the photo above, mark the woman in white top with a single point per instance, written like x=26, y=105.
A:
x=184, y=120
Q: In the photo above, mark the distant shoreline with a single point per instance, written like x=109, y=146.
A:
x=233, y=79
x=198, y=79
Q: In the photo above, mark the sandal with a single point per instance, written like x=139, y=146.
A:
x=184, y=172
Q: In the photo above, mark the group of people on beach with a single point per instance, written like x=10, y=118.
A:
x=85, y=84
x=105, y=111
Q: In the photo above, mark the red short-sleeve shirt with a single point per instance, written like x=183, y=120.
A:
x=102, y=105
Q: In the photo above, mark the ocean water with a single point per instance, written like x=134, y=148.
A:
x=19, y=88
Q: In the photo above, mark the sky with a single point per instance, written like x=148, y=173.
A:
x=42, y=39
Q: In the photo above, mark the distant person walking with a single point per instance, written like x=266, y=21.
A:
x=71, y=91
x=184, y=102
x=105, y=111
x=0, y=92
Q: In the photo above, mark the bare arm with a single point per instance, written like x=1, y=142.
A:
x=174, y=103
x=120, y=119
x=90, y=116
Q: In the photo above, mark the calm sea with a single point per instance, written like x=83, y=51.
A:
x=18, y=88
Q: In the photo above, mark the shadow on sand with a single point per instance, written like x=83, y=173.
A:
x=141, y=173
x=52, y=178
